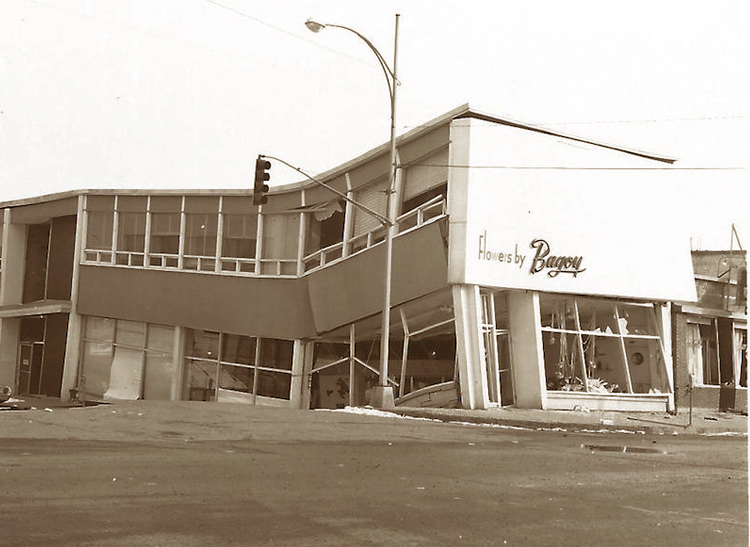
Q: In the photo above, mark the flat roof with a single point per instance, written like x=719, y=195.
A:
x=462, y=112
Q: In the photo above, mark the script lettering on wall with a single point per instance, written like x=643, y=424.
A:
x=543, y=260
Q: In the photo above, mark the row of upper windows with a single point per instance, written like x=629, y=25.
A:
x=190, y=233
x=221, y=234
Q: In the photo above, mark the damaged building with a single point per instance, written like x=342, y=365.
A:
x=528, y=270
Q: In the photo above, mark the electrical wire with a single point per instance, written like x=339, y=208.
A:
x=562, y=168
x=485, y=124
x=284, y=31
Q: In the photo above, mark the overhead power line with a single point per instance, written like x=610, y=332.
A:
x=245, y=15
x=605, y=122
x=653, y=120
x=563, y=168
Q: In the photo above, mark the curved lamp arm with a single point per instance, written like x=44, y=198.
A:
x=390, y=77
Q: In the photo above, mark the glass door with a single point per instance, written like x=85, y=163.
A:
x=30, y=368
x=496, y=341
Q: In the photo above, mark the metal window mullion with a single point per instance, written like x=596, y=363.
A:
x=623, y=350
x=329, y=365
x=181, y=242
x=217, y=361
x=219, y=236
x=301, y=242
x=373, y=369
x=147, y=235
x=44, y=349
x=84, y=236
x=437, y=325
x=255, y=369
x=144, y=352
x=660, y=331
x=492, y=342
x=259, y=241
x=405, y=351
x=352, y=350
x=348, y=217
x=115, y=230
x=715, y=323
x=579, y=339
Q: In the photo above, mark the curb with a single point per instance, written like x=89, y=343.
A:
x=637, y=425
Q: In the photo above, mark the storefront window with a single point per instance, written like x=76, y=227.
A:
x=706, y=349
x=126, y=359
x=601, y=346
x=97, y=363
x=333, y=372
x=130, y=333
x=275, y=357
x=740, y=355
x=421, y=361
x=212, y=374
x=157, y=381
x=237, y=370
x=430, y=360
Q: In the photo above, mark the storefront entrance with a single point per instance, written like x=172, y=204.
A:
x=41, y=353
x=30, y=368
x=496, y=338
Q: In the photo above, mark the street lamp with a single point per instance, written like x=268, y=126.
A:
x=382, y=394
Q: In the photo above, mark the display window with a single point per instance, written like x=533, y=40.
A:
x=221, y=363
x=126, y=359
x=601, y=346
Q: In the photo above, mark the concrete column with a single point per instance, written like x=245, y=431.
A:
x=178, y=367
x=296, y=395
x=309, y=349
x=11, y=292
x=458, y=192
x=10, y=329
x=529, y=376
x=72, y=363
x=664, y=324
x=472, y=372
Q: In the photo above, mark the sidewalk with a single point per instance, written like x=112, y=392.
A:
x=704, y=421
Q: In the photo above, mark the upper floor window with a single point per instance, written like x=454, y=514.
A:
x=280, y=244
x=131, y=229
x=201, y=230
x=165, y=230
x=99, y=229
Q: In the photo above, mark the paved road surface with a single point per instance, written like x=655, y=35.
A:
x=206, y=474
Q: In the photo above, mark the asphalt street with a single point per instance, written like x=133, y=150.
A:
x=193, y=474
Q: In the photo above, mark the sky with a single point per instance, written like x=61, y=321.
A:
x=186, y=93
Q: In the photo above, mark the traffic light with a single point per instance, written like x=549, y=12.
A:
x=261, y=176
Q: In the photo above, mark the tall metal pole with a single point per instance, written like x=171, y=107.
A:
x=383, y=397
x=382, y=394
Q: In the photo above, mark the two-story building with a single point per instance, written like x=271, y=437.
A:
x=530, y=268
x=710, y=334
